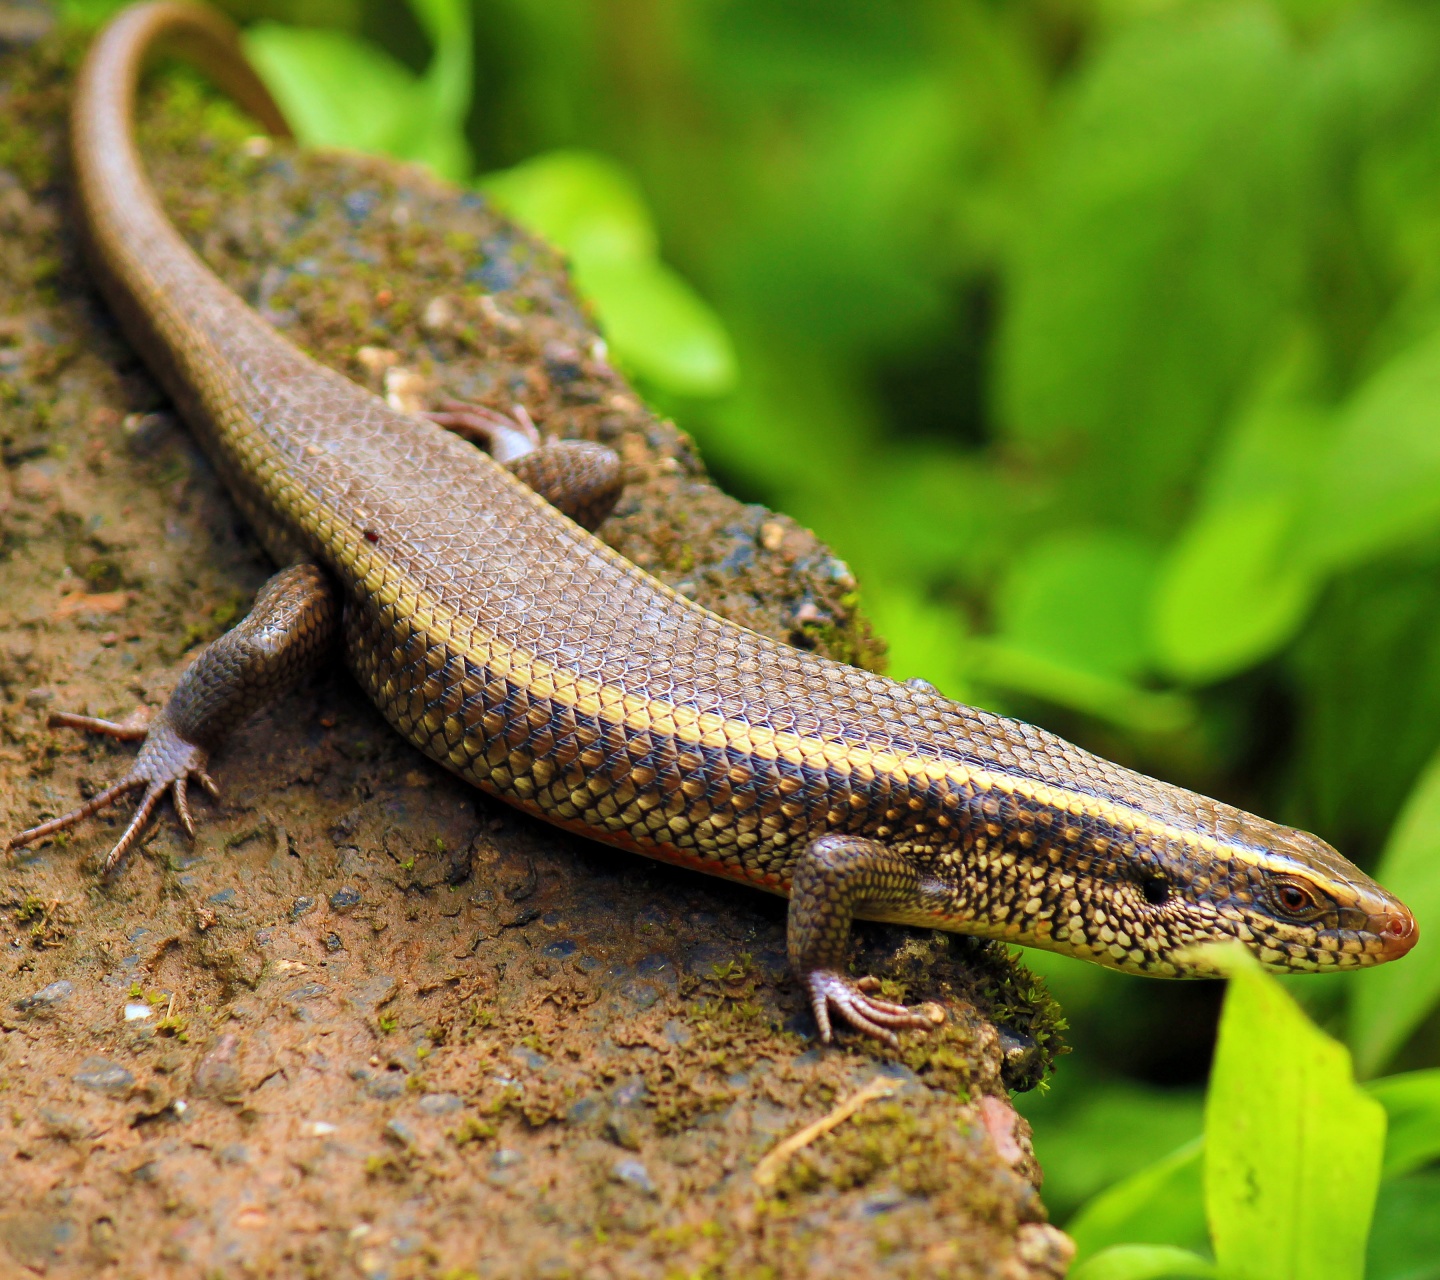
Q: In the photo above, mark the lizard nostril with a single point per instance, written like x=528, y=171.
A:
x=1398, y=933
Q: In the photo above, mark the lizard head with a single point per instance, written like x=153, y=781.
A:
x=1159, y=894
x=1144, y=889
x=1294, y=901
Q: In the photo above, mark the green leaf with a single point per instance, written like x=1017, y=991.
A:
x=1391, y=1000
x=1235, y=587
x=1082, y=598
x=1161, y=253
x=1405, y=1244
x=1161, y=1205
x=1412, y=1103
x=336, y=90
x=1009, y=666
x=655, y=322
x=1144, y=1262
x=1229, y=596
x=1380, y=486
x=659, y=326
x=1292, y=1146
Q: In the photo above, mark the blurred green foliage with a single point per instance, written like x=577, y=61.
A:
x=1102, y=337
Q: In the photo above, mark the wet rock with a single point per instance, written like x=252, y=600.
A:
x=344, y=899
x=104, y=1076
x=46, y=997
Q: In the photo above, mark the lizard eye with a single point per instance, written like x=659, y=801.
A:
x=1296, y=899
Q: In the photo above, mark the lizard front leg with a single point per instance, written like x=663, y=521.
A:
x=836, y=877
x=287, y=632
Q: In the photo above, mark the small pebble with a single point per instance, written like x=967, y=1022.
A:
x=633, y=1174
x=216, y=1074
x=345, y=898
x=46, y=996
x=439, y=1104
x=104, y=1076
x=398, y=1131
x=300, y=906
x=643, y=995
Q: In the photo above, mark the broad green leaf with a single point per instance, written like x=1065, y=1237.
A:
x=339, y=90
x=925, y=638
x=581, y=201
x=1009, y=666
x=1391, y=1000
x=658, y=325
x=1082, y=598
x=1293, y=1146
x=1405, y=1244
x=1229, y=595
x=1235, y=587
x=1412, y=1103
x=1366, y=671
x=1161, y=253
x=1379, y=488
x=1162, y=1204
x=655, y=322
x=336, y=90
x=1144, y=1262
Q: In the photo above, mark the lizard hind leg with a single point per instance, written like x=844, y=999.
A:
x=582, y=479
x=287, y=632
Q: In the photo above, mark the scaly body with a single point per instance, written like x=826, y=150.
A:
x=514, y=648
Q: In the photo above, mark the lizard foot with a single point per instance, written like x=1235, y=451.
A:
x=166, y=762
x=852, y=1002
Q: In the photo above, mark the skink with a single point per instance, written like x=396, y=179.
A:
x=509, y=644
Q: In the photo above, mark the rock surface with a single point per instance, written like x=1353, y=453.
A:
x=371, y=1023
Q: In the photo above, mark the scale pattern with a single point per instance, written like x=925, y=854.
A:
x=516, y=649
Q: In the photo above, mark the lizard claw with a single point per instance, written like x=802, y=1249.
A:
x=166, y=762
x=852, y=1003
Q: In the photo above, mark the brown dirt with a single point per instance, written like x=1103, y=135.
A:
x=372, y=1023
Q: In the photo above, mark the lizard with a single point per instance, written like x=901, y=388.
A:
x=504, y=640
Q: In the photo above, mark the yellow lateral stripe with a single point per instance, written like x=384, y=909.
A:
x=644, y=714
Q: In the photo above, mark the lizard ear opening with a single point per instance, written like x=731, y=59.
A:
x=1155, y=888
